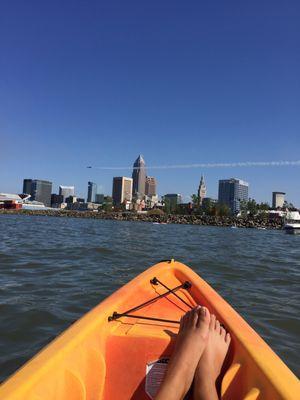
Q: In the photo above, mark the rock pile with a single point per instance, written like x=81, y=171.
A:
x=205, y=220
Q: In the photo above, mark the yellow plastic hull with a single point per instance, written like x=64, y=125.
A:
x=97, y=359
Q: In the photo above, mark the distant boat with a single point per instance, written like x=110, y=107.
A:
x=292, y=222
x=233, y=227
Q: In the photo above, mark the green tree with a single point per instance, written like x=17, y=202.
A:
x=264, y=206
x=207, y=207
x=223, y=210
x=243, y=207
x=107, y=204
x=195, y=200
x=252, y=207
x=167, y=206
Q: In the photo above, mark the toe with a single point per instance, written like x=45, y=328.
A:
x=212, y=322
x=222, y=333
x=217, y=326
x=181, y=323
x=194, y=316
x=203, y=316
x=189, y=317
x=227, y=338
x=184, y=319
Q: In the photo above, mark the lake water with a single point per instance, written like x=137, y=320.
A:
x=53, y=270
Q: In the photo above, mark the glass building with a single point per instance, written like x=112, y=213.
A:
x=92, y=191
x=232, y=192
x=27, y=183
x=139, y=178
x=39, y=190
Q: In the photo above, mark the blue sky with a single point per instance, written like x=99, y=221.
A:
x=97, y=83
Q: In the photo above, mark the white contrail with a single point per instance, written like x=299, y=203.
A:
x=214, y=165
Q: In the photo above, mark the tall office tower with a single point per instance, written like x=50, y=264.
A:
x=277, y=199
x=139, y=177
x=201, y=191
x=41, y=191
x=150, y=186
x=92, y=191
x=232, y=192
x=122, y=190
x=27, y=184
x=66, y=191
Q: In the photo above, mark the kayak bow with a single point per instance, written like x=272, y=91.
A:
x=110, y=352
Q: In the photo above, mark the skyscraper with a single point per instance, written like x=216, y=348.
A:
x=139, y=177
x=150, y=186
x=39, y=190
x=92, y=191
x=232, y=192
x=122, y=190
x=66, y=191
x=201, y=191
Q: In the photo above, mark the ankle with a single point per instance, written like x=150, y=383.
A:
x=205, y=388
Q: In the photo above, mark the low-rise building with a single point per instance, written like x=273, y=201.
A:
x=71, y=199
x=88, y=206
x=56, y=200
x=11, y=201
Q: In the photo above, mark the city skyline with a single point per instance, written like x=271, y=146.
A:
x=181, y=84
x=211, y=180
x=201, y=190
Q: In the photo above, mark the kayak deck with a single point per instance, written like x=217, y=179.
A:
x=98, y=359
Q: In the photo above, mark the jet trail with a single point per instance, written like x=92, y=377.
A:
x=213, y=165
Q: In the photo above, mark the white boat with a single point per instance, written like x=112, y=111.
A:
x=292, y=222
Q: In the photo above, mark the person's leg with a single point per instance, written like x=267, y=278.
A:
x=190, y=343
x=210, y=364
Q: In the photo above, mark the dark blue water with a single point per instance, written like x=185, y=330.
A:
x=53, y=270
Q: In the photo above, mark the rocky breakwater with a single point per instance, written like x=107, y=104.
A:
x=205, y=220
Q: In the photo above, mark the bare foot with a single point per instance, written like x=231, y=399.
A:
x=190, y=343
x=210, y=364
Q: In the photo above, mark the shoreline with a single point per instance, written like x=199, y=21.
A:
x=204, y=220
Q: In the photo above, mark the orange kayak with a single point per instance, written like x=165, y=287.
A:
x=120, y=351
